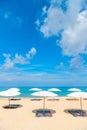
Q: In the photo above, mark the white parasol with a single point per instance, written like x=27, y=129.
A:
x=13, y=89
x=74, y=89
x=44, y=94
x=54, y=89
x=35, y=89
x=9, y=94
x=80, y=95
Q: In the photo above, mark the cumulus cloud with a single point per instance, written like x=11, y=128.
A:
x=57, y=19
x=74, y=38
x=31, y=53
x=10, y=61
x=53, y=22
x=68, y=18
x=8, y=64
x=19, y=59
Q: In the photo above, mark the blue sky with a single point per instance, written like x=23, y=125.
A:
x=43, y=43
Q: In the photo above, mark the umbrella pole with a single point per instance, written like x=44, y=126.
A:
x=44, y=103
x=9, y=101
x=81, y=103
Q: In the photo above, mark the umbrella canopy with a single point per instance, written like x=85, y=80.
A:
x=74, y=89
x=13, y=89
x=80, y=95
x=9, y=93
x=54, y=89
x=44, y=94
x=35, y=89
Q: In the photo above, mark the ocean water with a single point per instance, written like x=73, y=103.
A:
x=25, y=92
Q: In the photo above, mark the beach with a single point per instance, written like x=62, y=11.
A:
x=23, y=118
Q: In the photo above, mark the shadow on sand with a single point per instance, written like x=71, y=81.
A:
x=76, y=112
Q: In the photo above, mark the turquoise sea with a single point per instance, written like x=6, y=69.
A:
x=25, y=92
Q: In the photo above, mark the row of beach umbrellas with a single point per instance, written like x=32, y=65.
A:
x=51, y=94
x=75, y=92
x=56, y=89
x=39, y=93
x=39, y=89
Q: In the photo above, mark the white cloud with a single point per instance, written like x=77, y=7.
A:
x=31, y=53
x=19, y=59
x=74, y=38
x=53, y=23
x=71, y=23
x=58, y=19
x=8, y=64
x=10, y=61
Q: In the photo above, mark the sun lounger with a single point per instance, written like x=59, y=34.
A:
x=77, y=112
x=84, y=98
x=14, y=99
x=55, y=99
x=43, y=113
x=36, y=99
x=12, y=106
x=72, y=99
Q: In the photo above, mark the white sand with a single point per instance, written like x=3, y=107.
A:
x=23, y=118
